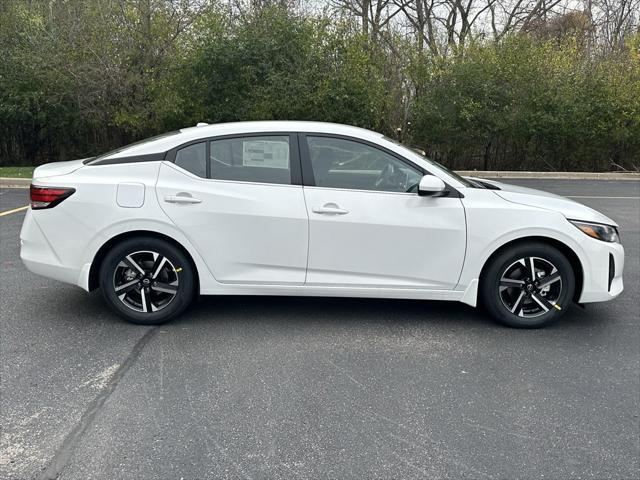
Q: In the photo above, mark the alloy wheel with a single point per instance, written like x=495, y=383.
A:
x=530, y=287
x=145, y=281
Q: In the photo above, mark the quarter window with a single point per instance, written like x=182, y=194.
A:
x=264, y=159
x=340, y=163
x=193, y=159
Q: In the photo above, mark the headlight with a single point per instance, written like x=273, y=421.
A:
x=606, y=233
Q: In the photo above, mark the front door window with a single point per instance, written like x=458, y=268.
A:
x=340, y=163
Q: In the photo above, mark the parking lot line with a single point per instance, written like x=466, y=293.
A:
x=15, y=210
x=606, y=198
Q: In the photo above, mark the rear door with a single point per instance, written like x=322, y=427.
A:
x=368, y=226
x=239, y=200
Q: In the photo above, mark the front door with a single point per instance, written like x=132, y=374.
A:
x=367, y=225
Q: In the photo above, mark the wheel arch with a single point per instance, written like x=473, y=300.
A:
x=109, y=244
x=574, y=260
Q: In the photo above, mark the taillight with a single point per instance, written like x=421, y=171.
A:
x=47, y=197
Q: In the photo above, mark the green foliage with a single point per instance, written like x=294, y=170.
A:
x=528, y=104
x=279, y=66
x=79, y=77
x=16, y=172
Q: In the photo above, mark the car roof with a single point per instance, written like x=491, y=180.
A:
x=171, y=140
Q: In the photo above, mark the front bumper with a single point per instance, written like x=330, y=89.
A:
x=603, y=267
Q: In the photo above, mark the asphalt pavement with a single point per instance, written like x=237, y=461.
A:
x=271, y=387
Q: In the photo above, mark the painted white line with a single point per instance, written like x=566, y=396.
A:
x=608, y=198
x=15, y=210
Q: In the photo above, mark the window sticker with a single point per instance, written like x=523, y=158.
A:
x=265, y=153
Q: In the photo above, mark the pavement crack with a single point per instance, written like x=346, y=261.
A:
x=65, y=451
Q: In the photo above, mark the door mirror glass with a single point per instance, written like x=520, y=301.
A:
x=431, y=185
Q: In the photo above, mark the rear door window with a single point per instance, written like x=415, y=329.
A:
x=193, y=158
x=261, y=159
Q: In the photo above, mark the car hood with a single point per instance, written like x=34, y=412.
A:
x=57, y=168
x=549, y=201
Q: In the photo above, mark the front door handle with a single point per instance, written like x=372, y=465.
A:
x=183, y=198
x=330, y=209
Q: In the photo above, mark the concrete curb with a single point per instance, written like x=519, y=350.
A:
x=25, y=182
x=14, y=182
x=552, y=175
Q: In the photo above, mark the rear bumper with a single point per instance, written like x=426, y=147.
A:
x=602, y=272
x=39, y=256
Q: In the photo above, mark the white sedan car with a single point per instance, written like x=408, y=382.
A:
x=314, y=209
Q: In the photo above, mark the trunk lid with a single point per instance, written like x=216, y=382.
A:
x=56, y=169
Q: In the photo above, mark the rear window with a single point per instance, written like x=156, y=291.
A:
x=89, y=161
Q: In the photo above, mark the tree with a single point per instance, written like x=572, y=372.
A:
x=374, y=15
x=541, y=84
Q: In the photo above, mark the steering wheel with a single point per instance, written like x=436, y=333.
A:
x=386, y=176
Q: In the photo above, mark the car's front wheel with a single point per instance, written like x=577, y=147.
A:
x=528, y=285
x=147, y=280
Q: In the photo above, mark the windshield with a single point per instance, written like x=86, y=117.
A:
x=462, y=180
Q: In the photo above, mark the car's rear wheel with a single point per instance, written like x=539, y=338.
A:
x=528, y=285
x=147, y=280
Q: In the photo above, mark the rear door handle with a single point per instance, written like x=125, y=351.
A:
x=183, y=198
x=330, y=209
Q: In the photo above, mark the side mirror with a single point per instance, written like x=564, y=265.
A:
x=431, y=186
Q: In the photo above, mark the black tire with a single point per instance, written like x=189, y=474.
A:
x=532, y=303
x=143, y=298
